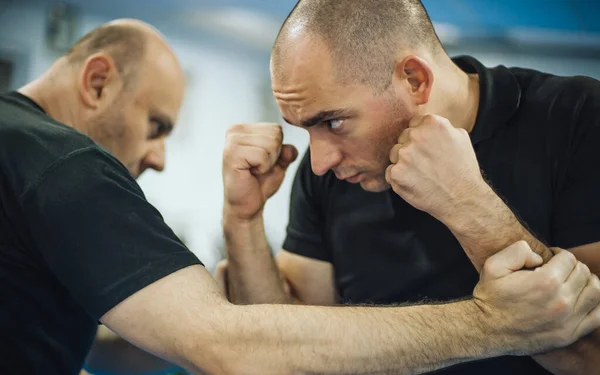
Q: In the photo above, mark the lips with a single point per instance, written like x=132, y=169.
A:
x=354, y=179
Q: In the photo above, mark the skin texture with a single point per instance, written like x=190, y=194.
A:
x=412, y=138
x=92, y=98
x=208, y=334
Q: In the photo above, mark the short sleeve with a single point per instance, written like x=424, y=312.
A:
x=89, y=222
x=576, y=217
x=305, y=231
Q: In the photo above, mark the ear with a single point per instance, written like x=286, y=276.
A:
x=99, y=81
x=417, y=76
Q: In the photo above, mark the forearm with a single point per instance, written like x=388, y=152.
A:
x=492, y=226
x=484, y=225
x=252, y=275
x=287, y=339
x=580, y=358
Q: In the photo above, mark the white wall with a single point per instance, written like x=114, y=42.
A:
x=224, y=87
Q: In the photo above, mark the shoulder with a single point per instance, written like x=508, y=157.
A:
x=32, y=143
x=558, y=95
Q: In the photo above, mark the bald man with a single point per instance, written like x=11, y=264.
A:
x=79, y=244
x=389, y=205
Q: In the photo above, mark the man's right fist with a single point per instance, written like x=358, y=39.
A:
x=538, y=307
x=254, y=165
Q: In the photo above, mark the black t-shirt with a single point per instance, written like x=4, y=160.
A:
x=77, y=237
x=536, y=138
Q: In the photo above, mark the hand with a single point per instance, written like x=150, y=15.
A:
x=254, y=165
x=537, y=310
x=434, y=166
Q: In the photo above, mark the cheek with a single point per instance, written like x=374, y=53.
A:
x=133, y=138
x=373, y=144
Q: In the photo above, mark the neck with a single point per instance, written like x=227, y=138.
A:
x=54, y=92
x=456, y=96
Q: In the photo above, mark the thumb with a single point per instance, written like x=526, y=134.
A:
x=287, y=156
x=514, y=258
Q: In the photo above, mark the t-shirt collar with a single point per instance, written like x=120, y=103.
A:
x=499, y=97
x=15, y=95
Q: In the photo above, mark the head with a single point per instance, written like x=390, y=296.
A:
x=129, y=88
x=353, y=74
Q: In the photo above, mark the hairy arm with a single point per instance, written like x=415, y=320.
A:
x=488, y=225
x=208, y=334
x=252, y=275
x=488, y=228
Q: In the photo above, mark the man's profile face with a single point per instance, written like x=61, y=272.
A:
x=135, y=128
x=352, y=129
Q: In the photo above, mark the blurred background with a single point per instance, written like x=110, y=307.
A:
x=224, y=47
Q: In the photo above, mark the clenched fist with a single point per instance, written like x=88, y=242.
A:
x=254, y=165
x=540, y=307
x=434, y=166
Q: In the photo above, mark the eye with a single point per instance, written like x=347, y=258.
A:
x=335, y=124
x=158, y=128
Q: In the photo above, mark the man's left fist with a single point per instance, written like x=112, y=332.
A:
x=434, y=167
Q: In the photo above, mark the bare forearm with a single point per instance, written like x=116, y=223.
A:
x=318, y=340
x=252, y=274
x=485, y=225
x=492, y=226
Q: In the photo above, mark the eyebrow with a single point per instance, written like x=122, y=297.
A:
x=324, y=116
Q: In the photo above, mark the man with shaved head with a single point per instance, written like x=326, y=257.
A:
x=79, y=244
x=476, y=159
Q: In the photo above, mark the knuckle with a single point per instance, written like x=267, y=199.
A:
x=279, y=132
x=429, y=119
x=562, y=304
x=436, y=121
x=570, y=256
x=584, y=269
x=488, y=267
x=396, y=175
x=236, y=128
x=404, y=155
x=274, y=144
x=415, y=135
x=551, y=281
x=228, y=149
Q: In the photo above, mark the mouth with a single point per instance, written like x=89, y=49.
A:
x=354, y=179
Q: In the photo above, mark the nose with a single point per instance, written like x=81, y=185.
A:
x=155, y=157
x=323, y=155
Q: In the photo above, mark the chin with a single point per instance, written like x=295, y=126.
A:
x=375, y=185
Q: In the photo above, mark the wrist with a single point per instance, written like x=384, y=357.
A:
x=244, y=236
x=239, y=222
x=469, y=207
x=491, y=339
